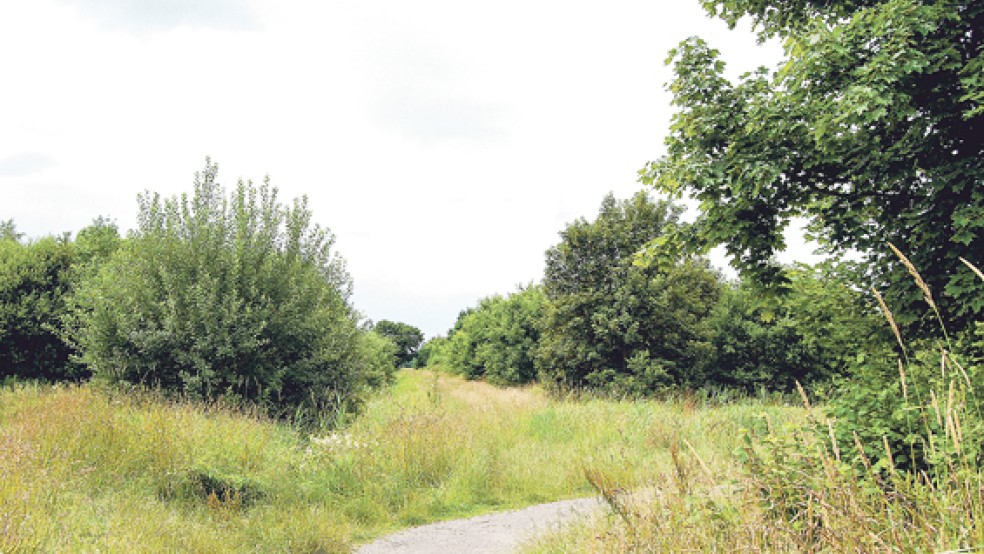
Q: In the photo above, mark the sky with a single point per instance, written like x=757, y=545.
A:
x=444, y=143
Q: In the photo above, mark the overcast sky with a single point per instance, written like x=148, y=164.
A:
x=445, y=143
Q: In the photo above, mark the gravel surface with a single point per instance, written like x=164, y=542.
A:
x=499, y=533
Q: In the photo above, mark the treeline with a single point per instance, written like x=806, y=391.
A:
x=605, y=317
x=229, y=294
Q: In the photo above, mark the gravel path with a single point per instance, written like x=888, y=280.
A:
x=500, y=533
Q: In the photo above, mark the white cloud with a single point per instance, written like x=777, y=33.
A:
x=27, y=163
x=162, y=15
x=445, y=143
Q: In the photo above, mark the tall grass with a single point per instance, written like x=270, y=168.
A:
x=86, y=469
x=900, y=472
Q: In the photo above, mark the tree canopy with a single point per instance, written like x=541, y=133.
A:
x=406, y=337
x=872, y=128
x=497, y=339
x=612, y=323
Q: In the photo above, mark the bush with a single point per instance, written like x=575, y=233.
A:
x=497, y=339
x=921, y=411
x=35, y=279
x=811, y=333
x=431, y=352
x=236, y=296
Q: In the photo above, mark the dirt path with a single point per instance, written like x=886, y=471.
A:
x=500, y=533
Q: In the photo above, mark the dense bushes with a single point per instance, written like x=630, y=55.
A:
x=36, y=279
x=237, y=296
x=812, y=332
x=496, y=340
x=919, y=409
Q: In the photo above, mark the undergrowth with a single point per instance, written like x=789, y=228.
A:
x=891, y=464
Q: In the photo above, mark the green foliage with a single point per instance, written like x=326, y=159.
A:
x=430, y=352
x=925, y=407
x=377, y=357
x=35, y=279
x=96, y=243
x=496, y=340
x=612, y=323
x=811, y=333
x=237, y=296
x=871, y=128
x=8, y=231
x=406, y=337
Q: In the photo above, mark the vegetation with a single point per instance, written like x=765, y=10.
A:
x=612, y=323
x=812, y=334
x=495, y=340
x=222, y=310
x=406, y=337
x=105, y=469
x=239, y=297
x=871, y=127
x=36, y=280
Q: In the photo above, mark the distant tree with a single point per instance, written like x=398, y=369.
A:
x=8, y=231
x=431, y=352
x=872, y=128
x=497, y=339
x=227, y=295
x=406, y=337
x=616, y=324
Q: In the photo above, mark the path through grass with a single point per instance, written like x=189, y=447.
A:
x=83, y=469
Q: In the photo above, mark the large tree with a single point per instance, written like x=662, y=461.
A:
x=872, y=128
x=616, y=324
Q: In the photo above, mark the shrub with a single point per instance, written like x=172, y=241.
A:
x=811, y=333
x=35, y=279
x=919, y=412
x=496, y=340
x=237, y=296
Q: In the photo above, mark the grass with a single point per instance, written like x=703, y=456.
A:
x=788, y=492
x=87, y=469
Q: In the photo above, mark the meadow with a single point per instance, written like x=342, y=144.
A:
x=88, y=468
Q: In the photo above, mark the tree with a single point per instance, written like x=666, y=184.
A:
x=811, y=335
x=406, y=337
x=237, y=296
x=616, y=324
x=37, y=278
x=8, y=231
x=497, y=339
x=872, y=127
